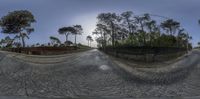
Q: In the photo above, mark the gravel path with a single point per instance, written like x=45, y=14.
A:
x=89, y=73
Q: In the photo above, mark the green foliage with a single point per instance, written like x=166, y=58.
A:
x=166, y=41
x=19, y=23
x=127, y=29
x=66, y=31
x=170, y=26
x=74, y=30
x=54, y=40
x=16, y=21
x=68, y=43
x=7, y=42
x=78, y=31
x=81, y=46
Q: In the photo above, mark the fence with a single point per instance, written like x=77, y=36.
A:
x=148, y=54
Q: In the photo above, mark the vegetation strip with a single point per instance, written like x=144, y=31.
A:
x=176, y=71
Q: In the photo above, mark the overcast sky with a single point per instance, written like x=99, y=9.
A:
x=52, y=14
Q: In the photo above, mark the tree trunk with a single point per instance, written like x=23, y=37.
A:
x=66, y=37
x=113, y=35
x=104, y=41
x=131, y=37
x=144, y=34
x=151, y=40
x=23, y=42
x=144, y=38
x=75, y=39
x=129, y=26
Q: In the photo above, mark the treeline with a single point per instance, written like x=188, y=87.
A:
x=20, y=22
x=66, y=31
x=127, y=29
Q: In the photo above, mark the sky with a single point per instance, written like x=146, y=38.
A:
x=53, y=14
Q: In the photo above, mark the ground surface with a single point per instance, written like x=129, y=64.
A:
x=89, y=73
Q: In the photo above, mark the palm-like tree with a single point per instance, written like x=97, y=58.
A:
x=102, y=31
x=180, y=37
x=88, y=38
x=110, y=20
x=66, y=31
x=170, y=26
x=153, y=29
x=78, y=30
x=127, y=20
x=141, y=21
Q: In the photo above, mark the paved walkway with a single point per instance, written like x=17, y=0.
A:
x=89, y=73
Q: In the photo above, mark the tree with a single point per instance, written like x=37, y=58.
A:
x=153, y=31
x=18, y=22
x=198, y=44
x=111, y=21
x=68, y=43
x=37, y=44
x=17, y=41
x=181, y=38
x=7, y=41
x=99, y=41
x=102, y=31
x=66, y=31
x=130, y=30
x=141, y=21
x=54, y=40
x=123, y=34
x=78, y=31
x=170, y=26
x=25, y=35
x=129, y=27
x=167, y=41
x=89, y=39
x=128, y=21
